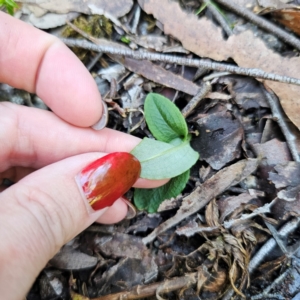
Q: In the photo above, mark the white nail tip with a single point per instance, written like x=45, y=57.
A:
x=103, y=120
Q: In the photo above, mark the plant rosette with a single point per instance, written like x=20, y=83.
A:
x=170, y=156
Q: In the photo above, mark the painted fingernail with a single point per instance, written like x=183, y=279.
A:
x=108, y=178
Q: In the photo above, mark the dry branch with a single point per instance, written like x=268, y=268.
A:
x=174, y=59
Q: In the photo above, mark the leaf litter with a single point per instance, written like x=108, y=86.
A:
x=249, y=51
x=208, y=241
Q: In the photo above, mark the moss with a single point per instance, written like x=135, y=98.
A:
x=95, y=26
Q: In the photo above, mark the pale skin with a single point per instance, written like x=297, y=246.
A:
x=43, y=151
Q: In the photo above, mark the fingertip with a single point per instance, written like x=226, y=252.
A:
x=40, y=63
x=67, y=87
x=114, y=214
x=150, y=184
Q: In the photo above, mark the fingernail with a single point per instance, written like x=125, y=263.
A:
x=108, y=178
x=104, y=118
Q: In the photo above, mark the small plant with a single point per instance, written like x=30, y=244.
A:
x=170, y=156
x=10, y=5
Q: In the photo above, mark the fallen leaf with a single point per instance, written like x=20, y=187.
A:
x=220, y=138
x=286, y=179
x=69, y=259
x=127, y=273
x=274, y=151
x=115, y=8
x=52, y=285
x=273, y=4
x=150, y=41
x=212, y=214
x=229, y=204
x=246, y=91
x=116, y=72
x=287, y=174
x=203, y=38
x=289, y=18
x=158, y=74
x=75, y=296
x=121, y=245
x=49, y=20
x=147, y=222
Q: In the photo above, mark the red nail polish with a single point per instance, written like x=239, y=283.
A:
x=108, y=178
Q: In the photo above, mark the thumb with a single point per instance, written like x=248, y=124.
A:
x=46, y=209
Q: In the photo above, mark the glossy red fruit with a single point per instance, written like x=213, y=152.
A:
x=108, y=178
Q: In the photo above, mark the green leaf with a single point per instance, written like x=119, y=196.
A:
x=202, y=7
x=125, y=40
x=164, y=119
x=150, y=199
x=160, y=160
x=9, y=5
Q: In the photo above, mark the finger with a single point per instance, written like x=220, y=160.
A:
x=39, y=63
x=40, y=214
x=35, y=138
x=115, y=213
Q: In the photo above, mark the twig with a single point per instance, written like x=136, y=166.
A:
x=218, y=16
x=277, y=238
x=262, y=23
x=279, y=118
x=200, y=72
x=215, y=75
x=146, y=55
x=203, y=91
x=136, y=19
x=260, y=210
x=265, y=294
x=271, y=243
x=139, y=292
x=94, y=61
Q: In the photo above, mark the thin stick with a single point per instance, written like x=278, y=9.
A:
x=139, y=292
x=136, y=19
x=262, y=23
x=94, y=61
x=279, y=118
x=271, y=243
x=203, y=91
x=180, y=60
x=218, y=16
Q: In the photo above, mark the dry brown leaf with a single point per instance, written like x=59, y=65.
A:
x=70, y=259
x=220, y=138
x=273, y=4
x=202, y=37
x=75, y=296
x=114, y=8
x=121, y=245
x=212, y=214
x=274, y=151
x=229, y=204
x=158, y=74
x=289, y=18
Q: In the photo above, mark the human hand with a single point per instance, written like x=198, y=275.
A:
x=44, y=151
